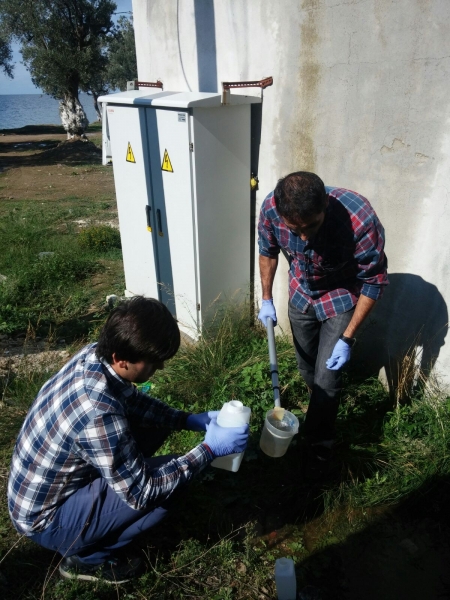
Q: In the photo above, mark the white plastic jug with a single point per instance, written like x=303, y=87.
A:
x=232, y=414
x=285, y=579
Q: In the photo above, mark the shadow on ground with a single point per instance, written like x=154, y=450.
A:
x=403, y=554
x=69, y=152
x=386, y=553
x=18, y=150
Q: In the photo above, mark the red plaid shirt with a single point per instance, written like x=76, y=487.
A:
x=344, y=260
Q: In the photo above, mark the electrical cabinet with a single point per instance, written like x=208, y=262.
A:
x=181, y=165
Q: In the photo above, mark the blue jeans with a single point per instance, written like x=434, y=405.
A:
x=94, y=521
x=314, y=341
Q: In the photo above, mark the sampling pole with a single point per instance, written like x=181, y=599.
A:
x=273, y=362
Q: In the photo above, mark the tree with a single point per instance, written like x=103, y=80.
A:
x=61, y=44
x=6, y=57
x=121, y=65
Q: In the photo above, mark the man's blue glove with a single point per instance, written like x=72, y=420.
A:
x=267, y=310
x=225, y=440
x=340, y=355
x=199, y=421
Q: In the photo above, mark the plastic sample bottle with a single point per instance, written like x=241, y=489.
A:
x=285, y=579
x=232, y=414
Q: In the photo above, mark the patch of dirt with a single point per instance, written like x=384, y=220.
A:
x=70, y=152
x=47, y=361
x=24, y=354
x=55, y=171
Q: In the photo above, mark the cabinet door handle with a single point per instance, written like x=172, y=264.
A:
x=148, y=212
x=158, y=218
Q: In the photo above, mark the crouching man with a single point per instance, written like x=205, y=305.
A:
x=83, y=481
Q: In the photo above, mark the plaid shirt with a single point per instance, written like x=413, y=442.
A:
x=77, y=430
x=344, y=260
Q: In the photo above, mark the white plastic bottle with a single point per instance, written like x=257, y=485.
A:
x=285, y=579
x=232, y=414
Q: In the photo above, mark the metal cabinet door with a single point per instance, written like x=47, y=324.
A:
x=175, y=236
x=128, y=134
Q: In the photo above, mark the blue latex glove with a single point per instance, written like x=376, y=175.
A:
x=340, y=355
x=226, y=440
x=267, y=310
x=199, y=421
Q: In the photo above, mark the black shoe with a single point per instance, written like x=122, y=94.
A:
x=318, y=461
x=114, y=570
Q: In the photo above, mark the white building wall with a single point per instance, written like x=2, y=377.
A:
x=361, y=96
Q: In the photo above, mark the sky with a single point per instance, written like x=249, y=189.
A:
x=21, y=84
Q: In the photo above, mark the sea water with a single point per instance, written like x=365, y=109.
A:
x=18, y=110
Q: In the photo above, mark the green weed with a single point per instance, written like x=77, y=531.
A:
x=391, y=454
x=99, y=237
x=230, y=360
x=45, y=267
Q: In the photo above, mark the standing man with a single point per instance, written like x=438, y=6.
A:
x=334, y=243
x=82, y=479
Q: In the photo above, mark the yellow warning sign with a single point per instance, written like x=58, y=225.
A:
x=166, y=164
x=130, y=155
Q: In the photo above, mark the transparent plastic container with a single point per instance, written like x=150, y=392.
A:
x=285, y=579
x=232, y=414
x=277, y=435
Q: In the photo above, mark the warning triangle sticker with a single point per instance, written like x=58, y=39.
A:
x=130, y=155
x=166, y=164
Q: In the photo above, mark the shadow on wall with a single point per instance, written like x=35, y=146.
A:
x=205, y=33
x=406, y=330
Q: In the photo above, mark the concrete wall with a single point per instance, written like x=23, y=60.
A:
x=361, y=96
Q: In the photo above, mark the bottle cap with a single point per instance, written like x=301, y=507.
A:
x=235, y=406
x=283, y=564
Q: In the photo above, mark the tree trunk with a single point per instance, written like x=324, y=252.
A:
x=73, y=117
x=97, y=109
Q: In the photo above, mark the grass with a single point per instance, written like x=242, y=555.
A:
x=228, y=528
x=47, y=263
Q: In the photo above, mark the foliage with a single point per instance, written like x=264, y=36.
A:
x=122, y=64
x=99, y=237
x=61, y=41
x=6, y=57
x=119, y=54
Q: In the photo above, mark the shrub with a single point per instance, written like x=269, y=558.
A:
x=100, y=238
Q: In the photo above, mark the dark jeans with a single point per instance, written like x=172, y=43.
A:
x=314, y=341
x=94, y=521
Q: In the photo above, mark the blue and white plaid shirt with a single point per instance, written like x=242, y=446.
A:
x=77, y=430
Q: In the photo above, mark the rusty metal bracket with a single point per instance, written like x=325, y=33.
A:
x=135, y=84
x=155, y=84
x=227, y=85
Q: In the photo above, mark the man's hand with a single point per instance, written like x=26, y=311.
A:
x=267, y=310
x=225, y=440
x=199, y=421
x=340, y=355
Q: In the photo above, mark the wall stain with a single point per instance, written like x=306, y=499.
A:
x=309, y=76
x=396, y=145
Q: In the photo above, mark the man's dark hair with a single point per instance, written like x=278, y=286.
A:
x=139, y=329
x=300, y=195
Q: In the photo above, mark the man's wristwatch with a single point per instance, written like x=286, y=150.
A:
x=348, y=340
